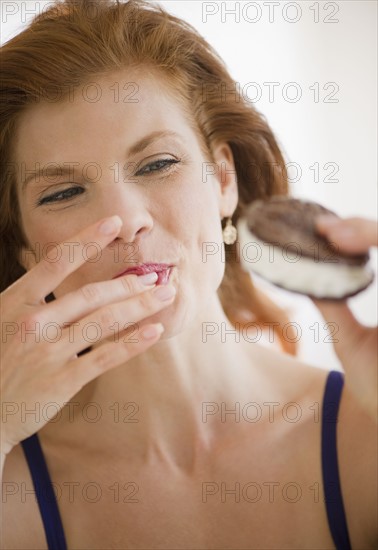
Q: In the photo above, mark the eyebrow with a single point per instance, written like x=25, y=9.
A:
x=138, y=147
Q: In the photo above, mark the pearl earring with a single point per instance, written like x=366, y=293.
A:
x=229, y=233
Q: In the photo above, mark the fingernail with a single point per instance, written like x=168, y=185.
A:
x=152, y=331
x=148, y=279
x=165, y=292
x=110, y=225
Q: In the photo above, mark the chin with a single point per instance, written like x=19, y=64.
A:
x=170, y=318
x=175, y=318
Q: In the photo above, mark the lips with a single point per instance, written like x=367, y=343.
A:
x=163, y=271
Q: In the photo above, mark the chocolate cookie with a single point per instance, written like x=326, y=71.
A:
x=279, y=241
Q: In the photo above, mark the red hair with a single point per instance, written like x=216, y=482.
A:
x=74, y=41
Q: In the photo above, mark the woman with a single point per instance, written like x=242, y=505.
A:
x=121, y=152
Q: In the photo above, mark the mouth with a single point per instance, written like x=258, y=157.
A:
x=163, y=271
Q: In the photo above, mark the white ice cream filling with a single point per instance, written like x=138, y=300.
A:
x=292, y=270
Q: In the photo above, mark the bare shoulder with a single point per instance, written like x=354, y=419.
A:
x=288, y=376
x=20, y=518
x=357, y=454
x=357, y=439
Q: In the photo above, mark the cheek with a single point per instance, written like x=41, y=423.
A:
x=199, y=232
x=42, y=232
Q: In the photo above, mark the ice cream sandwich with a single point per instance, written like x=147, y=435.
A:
x=278, y=240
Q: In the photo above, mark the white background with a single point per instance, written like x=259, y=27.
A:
x=330, y=47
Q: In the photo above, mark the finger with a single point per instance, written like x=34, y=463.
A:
x=354, y=235
x=80, y=371
x=109, y=320
x=66, y=257
x=79, y=303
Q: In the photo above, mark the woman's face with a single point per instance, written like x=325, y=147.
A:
x=171, y=200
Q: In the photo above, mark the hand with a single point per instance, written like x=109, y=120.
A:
x=35, y=371
x=357, y=344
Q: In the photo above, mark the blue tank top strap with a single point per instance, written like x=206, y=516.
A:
x=331, y=478
x=44, y=491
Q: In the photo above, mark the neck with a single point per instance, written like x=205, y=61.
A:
x=156, y=404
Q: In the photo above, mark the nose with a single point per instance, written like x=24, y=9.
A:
x=132, y=206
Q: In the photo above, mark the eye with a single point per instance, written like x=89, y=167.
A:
x=159, y=165
x=60, y=196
